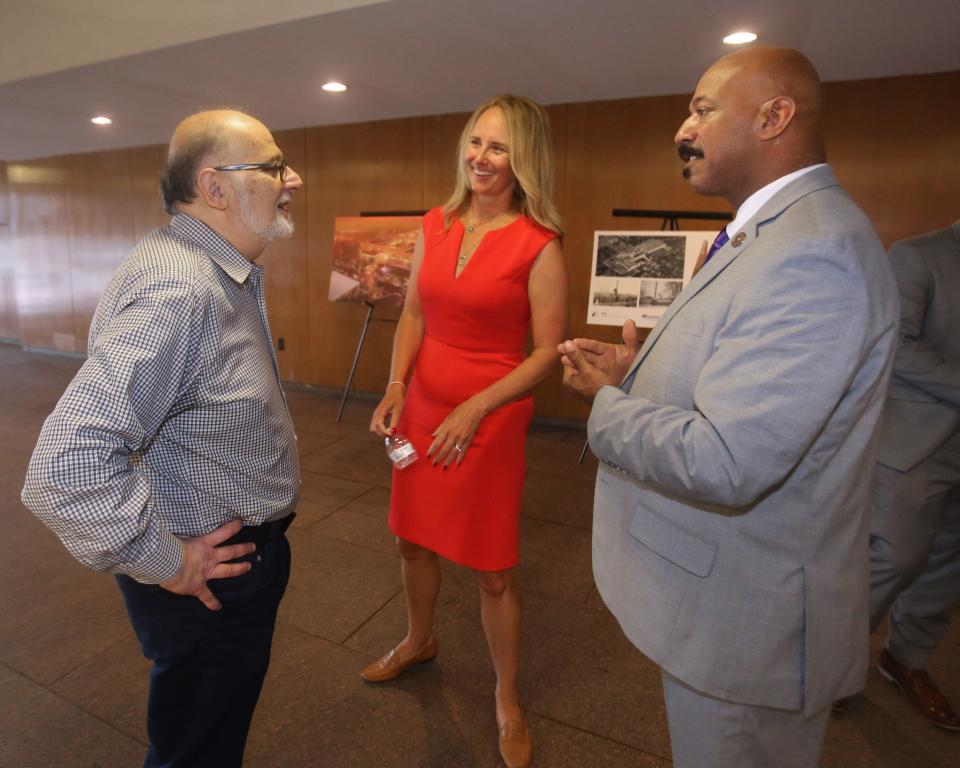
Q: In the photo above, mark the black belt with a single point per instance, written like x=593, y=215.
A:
x=261, y=534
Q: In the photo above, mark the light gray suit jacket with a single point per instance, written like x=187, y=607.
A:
x=923, y=409
x=730, y=518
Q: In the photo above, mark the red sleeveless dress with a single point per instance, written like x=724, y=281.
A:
x=475, y=329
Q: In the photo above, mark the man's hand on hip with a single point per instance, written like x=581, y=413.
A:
x=203, y=560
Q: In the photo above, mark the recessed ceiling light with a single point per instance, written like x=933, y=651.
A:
x=101, y=120
x=334, y=87
x=739, y=38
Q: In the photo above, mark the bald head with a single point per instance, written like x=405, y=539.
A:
x=202, y=139
x=755, y=117
x=785, y=72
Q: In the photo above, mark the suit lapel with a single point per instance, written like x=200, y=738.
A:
x=737, y=245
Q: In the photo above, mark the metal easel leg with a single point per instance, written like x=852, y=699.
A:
x=583, y=451
x=356, y=361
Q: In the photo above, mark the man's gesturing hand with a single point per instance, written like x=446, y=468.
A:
x=589, y=364
x=204, y=560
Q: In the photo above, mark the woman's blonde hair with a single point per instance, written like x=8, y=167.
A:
x=531, y=160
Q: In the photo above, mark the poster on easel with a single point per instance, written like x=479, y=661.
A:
x=372, y=256
x=635, y=275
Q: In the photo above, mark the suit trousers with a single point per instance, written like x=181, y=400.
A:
x=915, y=553
x=209, y=666
x=706, y=732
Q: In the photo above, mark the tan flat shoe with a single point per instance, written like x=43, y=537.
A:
x=390, y=665
x=516, y=749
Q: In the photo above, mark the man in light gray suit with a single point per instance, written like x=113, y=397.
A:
x=730, y=517
x=915, y=531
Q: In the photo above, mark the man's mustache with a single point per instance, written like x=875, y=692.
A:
x=687, y=151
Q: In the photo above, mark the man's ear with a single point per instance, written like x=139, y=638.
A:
x=774, y=116
x=211, y=189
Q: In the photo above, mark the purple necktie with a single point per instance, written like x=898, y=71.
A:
x=718, y=243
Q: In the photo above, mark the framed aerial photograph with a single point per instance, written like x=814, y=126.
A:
x=636, y=275
x=372, y=257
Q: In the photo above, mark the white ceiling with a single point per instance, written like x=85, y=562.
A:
x=147, y=64
x=41, y=36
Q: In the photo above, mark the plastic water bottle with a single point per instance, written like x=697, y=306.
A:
x=400, y=450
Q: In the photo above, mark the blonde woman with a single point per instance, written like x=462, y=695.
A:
x=487, y=270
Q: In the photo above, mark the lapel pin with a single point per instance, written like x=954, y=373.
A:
x=738, y=239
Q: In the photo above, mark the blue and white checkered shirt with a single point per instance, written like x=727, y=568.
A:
x=176, y=423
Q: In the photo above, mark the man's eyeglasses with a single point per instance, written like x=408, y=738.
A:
x=278, y=168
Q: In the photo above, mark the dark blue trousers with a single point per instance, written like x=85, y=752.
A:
x=208, y=666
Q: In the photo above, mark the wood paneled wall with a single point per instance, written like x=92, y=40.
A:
x=4, y=205
x=290, y=271
x=9, y=318
x=148, y=213
x=892, y=141
x=41, y=254
x=99, y=203
x=353, y=168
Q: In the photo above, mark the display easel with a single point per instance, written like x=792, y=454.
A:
x=670, y=221
x=368, y=319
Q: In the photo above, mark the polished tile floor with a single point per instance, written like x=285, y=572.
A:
x=73, y=683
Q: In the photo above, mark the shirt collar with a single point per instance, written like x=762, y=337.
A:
x=224, y=255
x=755, y=202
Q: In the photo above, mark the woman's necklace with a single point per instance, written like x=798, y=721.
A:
x=470, y=226
x=473, y=224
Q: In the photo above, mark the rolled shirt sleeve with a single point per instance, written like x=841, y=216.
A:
x=84, y=479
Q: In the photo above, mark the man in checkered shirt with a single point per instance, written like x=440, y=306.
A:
x=171, y=459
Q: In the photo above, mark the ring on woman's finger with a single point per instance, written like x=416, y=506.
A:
x=458, y=447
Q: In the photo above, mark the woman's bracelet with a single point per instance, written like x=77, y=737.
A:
x=402, y=385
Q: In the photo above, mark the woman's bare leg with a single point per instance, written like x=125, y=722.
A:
x=501, y=612
x=420, y=573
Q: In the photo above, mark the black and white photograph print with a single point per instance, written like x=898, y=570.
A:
x=659, y=293
x=630, y=255
x=615, y=292
x=637, y=275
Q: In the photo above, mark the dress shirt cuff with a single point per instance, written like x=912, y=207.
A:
x=160, y=564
